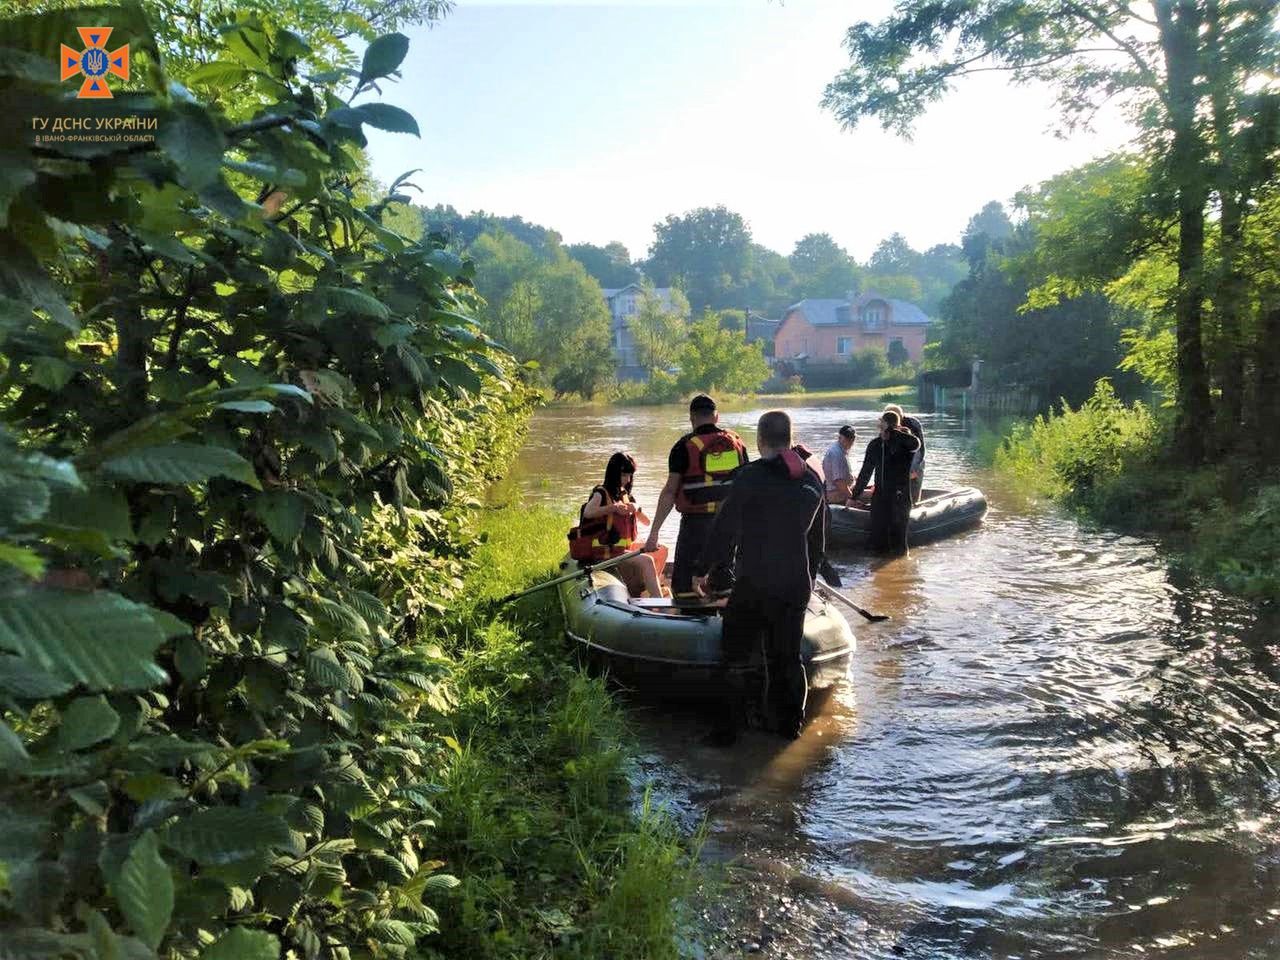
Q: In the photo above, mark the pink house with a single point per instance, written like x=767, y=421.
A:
x=832, y=331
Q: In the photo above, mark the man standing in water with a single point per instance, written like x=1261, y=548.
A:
x=701, y=469
x=917, y=459
x=836, y=468
x=774, y=519
x=889, y=455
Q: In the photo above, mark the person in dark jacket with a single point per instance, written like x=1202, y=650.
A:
x=773, y=524
x=917, y=462
x=889, y=455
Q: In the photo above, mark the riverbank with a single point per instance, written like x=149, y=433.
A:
x=1109, y=461
x=904, y=394
x=535, y=814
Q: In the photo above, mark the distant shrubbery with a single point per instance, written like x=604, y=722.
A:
x=866, y=368
x=712, y=358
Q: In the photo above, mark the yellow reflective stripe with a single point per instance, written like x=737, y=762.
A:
x=722, y=461
x=697, y=441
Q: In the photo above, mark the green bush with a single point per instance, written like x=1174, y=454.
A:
x=660, y=388
x=1067, y=454
x=1241, y=546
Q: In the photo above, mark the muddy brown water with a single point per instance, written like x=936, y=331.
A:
x=1059, y=746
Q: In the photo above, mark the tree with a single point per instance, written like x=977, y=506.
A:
x=823, y=268
x=714, y=359
x=212, y=400
x=893, y=255
x=896, y=287
x=1092, y=51
x=897, y=354
x=461, y=232
x=501, y=262
x=610, y=265
x=548, y=310
x=706, y=252
x=658, y=329
x=991, y=222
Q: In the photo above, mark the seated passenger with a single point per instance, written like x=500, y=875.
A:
x=609, y=518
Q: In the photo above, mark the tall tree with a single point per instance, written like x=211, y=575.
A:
x=658, y=328
x=707, y=252
x=1154, y=59
x=823, y=268
x=991, y=222
x=894, y=255
x=715, y=359
x=611, y=264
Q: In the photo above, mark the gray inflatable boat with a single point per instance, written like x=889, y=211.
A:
x=675, y=651
x=940, y=513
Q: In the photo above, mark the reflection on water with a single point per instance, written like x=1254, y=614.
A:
x=1058, y=746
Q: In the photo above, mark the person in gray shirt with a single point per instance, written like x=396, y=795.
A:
x=837, y=469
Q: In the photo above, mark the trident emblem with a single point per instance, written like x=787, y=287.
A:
x=94, y=62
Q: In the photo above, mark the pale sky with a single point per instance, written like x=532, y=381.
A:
x=598, y=120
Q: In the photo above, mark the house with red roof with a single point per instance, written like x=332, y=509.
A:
x=832, y=331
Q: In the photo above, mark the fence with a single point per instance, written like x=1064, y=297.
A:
x=962, y=391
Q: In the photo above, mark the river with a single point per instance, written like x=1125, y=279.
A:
x=1059, y=746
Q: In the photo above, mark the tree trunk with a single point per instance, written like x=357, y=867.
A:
x=1179, y=35
x=1229, y=298
x=1267, y=366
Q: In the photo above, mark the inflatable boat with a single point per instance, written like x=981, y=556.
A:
x=675, y=650
x=940, y=513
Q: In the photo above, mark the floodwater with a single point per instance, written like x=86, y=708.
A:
x=1059, y=746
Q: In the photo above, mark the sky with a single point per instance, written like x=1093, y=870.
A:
x=599, y=120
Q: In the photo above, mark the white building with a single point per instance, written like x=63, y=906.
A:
x=624, y=303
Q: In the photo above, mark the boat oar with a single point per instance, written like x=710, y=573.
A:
x=831, y=594
x=580, y=572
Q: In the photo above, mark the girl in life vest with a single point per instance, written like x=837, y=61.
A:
x=608, y=528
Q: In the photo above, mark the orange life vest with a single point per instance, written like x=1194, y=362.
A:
x=713, y=459
x=602, y=537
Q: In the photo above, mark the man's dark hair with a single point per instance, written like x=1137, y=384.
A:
x=891, y=419
x=848, y=432
x=774, y=430
x=702, y=404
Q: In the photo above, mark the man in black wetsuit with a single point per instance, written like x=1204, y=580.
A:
x=774, y=519
x=889, y=455
x=917, y=458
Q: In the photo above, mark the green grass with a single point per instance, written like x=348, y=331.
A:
x=535, y=814
x=904, y=394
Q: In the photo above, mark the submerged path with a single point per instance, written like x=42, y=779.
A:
x=1058, y=747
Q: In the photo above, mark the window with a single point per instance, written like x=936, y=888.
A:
x=844, y=346
x=630, y=307
x=873, y=317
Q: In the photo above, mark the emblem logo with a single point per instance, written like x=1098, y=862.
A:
x=94, y=62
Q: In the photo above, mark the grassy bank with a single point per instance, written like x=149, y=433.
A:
x=535, y=817
x=1110, y=461
x=904, y=394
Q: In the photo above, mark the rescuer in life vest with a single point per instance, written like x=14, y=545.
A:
x=607, y=525
x=701, y=467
